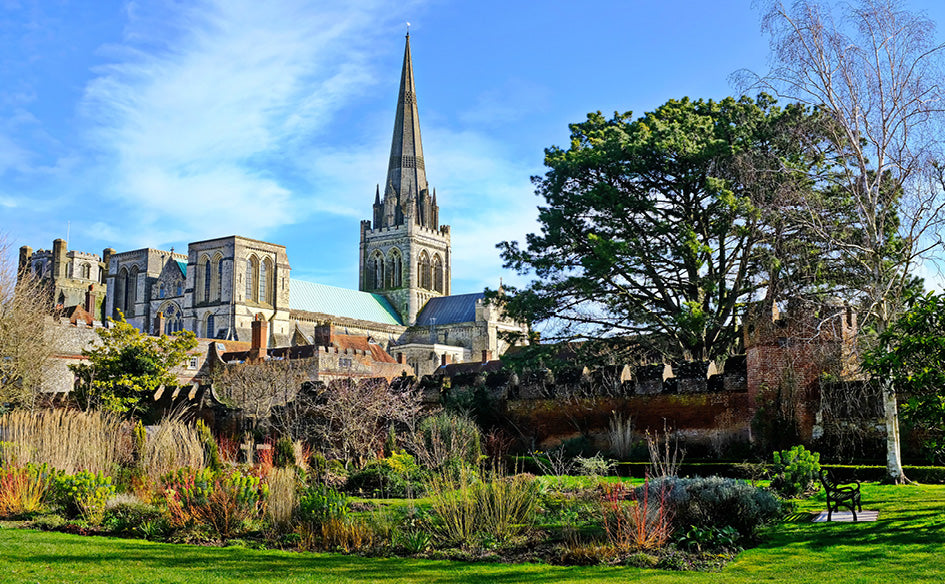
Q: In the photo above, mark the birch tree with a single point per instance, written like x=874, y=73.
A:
x=873, y=69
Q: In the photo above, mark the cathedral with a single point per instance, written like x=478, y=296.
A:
x=221, y=286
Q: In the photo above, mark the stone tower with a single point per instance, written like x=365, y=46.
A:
x=405, y=253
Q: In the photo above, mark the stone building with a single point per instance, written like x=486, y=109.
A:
x=69, y=275
x=403, y=304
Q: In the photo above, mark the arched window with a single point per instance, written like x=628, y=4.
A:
x=207, y=280
x=423, y=271
x=378, y=261
x=131, y=292
x=173, y=319
x=396, y=269
x=180, y=288
x=200, y=280
x=265, y=281
x=161, y=291
x=252, y=268
x=209, y=326
x=121, y=284
x=437, y=273
x=217, y=288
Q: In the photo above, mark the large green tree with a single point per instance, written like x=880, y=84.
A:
x=652, y=227
x=128, y=366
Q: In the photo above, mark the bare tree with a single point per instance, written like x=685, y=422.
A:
x=25, y=342
x=257, y=388
x=352, y=416
x=873, y=69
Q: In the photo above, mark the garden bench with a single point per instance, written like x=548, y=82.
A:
x=846, y=494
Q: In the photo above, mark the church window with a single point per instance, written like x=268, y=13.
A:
x=131, y=289
x=217, y=287
x=265, y=283
x=121, y=284
x=252, y=267
x=378, y=270
x=210, y=327
x=207, y=280
x=423, y=271
x=180, y=288
x=437, y=274
x=200, y=280
x=396, y=269
x=161, y=291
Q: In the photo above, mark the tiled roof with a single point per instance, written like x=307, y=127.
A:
x=341, y=302
x=449, y=309
x=182, y=265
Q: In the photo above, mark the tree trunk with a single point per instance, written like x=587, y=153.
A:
x=894, y=473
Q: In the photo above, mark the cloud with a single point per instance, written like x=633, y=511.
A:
x=196, y=121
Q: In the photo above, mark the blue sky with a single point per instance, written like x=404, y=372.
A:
x=157, y=123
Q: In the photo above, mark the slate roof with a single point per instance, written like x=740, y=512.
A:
x=341, y=302
x=182, y=265
x=449, y=309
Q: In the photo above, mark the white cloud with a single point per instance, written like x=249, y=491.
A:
x=195, y=121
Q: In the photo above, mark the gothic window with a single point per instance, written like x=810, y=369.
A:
x=252, y=269
x=437, y=273
x=173, y=319
x=131, y=289
x=180, y=288
x=121, y=284
x=265, y=281
x=207, y=280
x=161, y=291
x=396, y=269
x=200, y=280
x=217, y=287
x=378, y=268
x=209, y=326
x=423, y=271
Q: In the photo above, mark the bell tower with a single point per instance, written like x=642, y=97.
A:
x=405, y=252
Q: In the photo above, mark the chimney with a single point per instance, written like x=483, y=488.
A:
x=159, y=324
x=486, y=355
x=257, y=351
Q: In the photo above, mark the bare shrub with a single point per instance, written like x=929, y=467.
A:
x=665, y=455
x=644, y=522
x=67, y=440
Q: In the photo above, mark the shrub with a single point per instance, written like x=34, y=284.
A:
x=84, y=495
x=131, y=518
x=795, y=471
x=394, y=476
x=319, y=504
x=464, y=503
x=595, y=465
x=644, y=522
x=24, y=489
x=447, y=438
x=283, y=453
x=224, y=502
x=715, y=502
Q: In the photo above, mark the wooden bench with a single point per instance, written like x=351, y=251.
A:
x=846, y=494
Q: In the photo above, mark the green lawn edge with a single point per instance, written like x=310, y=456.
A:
x=907, y=544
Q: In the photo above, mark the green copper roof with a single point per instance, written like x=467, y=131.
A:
x=182, y=265
x=341, y=302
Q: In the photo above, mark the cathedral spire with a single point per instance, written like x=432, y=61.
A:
x=406, y=172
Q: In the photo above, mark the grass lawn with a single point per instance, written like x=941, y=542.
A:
x=907, y=544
